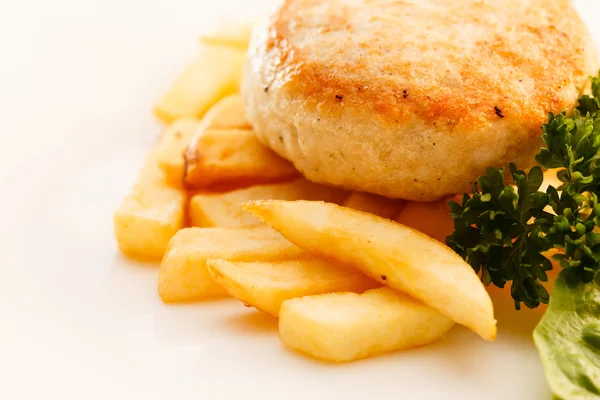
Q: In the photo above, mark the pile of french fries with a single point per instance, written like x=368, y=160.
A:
x=344, y=272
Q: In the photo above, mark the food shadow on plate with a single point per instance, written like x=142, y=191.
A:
x=214, y=317
x=457, y=355
x=250, y=321
x=518, y=324
x=136, y=262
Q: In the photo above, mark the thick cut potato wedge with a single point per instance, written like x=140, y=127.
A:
x=183, y=272
x=215, y=74
x=173, y=142
x=432, y=219
x=233, y=157
x=372, y=203
x=347, y=326
x=150, y=214
x=235, y=34
x=401, y=257
x=265, y=285
x=225, y=209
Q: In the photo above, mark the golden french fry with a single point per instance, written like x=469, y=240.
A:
x=215, y=73
x=432, y=219
x=235, y=34
x=150, y=214
x=183, y=272
x=234, y=157
x=371, y=203
x=227, y=113
x=170, y=149
x=343, y=327
x=225, y=209
x=265, y=285
x=388, y=252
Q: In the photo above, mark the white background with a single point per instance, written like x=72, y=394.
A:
x=78, y=321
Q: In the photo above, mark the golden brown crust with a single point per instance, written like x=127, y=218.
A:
x=491, y=75
x=455, y=68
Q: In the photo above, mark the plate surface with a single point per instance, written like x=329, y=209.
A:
x=79, y=321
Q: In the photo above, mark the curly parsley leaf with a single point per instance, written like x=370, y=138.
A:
x=591, y=104
x=503, y=230
x=494, y=235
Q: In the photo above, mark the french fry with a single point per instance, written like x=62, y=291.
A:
x=343, y=327
x=183, y=272
x=215, y=73
x=233, y=157
x=225, y=209
x=371, y=203
x=432, y=219
x=227, y=113
x=388, y=252
x=265, y=285
x=170, y=149
x=235, y=34
x=150, y=214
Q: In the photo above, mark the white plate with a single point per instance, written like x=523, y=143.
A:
x=79, y=321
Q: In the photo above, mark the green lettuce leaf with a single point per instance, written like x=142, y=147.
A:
x=568, y=337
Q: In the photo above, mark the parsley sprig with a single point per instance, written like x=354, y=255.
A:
x=504, y=231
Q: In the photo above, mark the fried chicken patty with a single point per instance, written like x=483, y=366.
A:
x=413, y=99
